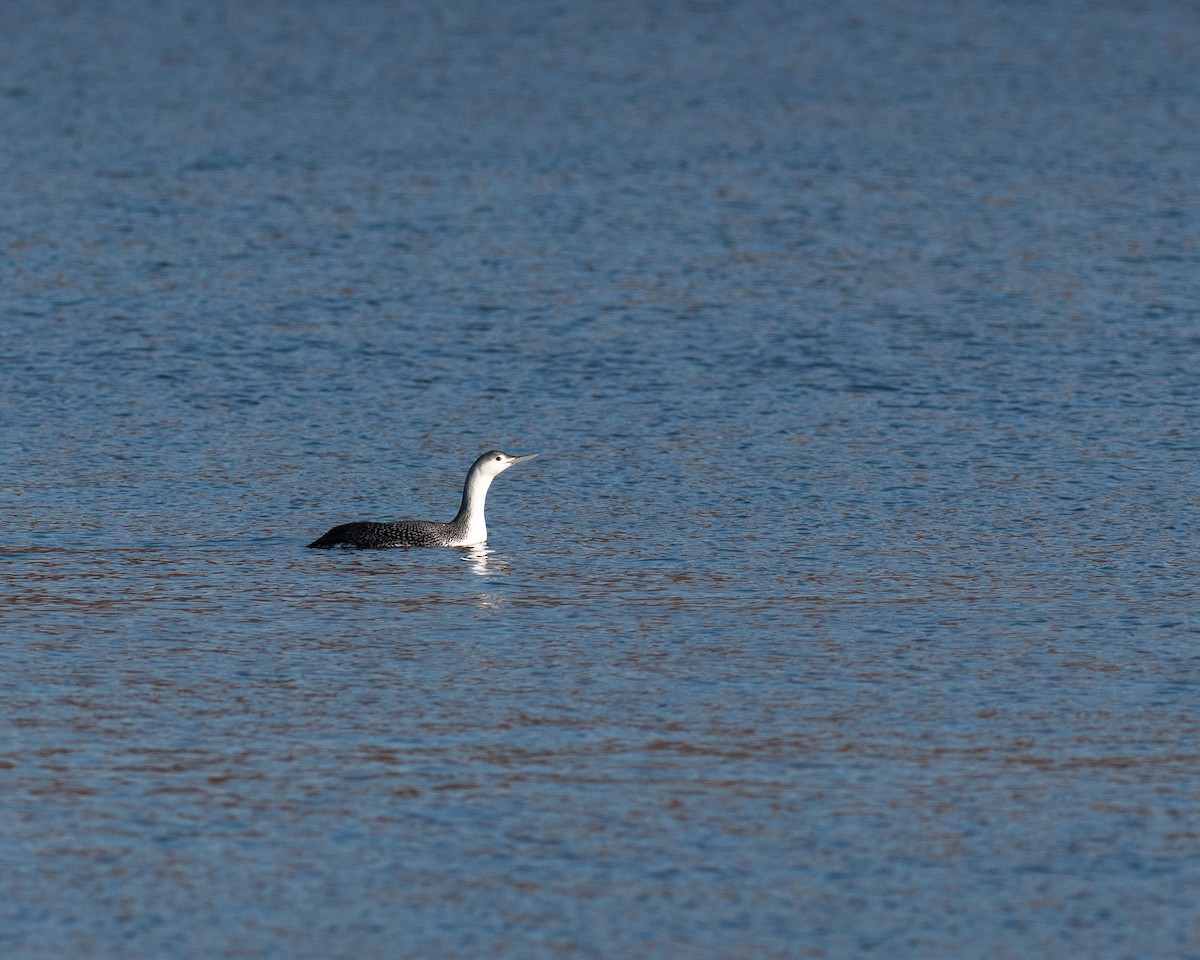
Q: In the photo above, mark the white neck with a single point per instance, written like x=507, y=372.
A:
x=470, y=514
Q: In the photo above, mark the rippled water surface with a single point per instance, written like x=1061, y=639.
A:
x=851, y=606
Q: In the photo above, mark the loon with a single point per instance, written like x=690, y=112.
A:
x=467, y=529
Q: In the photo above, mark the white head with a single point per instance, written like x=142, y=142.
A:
x=494, y=462
x=483, y=471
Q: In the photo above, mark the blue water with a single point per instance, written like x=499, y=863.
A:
x=851, y=607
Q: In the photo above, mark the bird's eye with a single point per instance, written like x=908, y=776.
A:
x=499, y=458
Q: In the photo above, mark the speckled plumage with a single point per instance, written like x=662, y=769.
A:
x=466, y=529
x=369, y=535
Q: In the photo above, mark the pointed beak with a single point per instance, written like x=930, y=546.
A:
x=517, y=460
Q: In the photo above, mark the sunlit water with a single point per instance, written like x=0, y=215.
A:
x=850, y=608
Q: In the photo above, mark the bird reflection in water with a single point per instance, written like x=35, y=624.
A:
x=481, y=559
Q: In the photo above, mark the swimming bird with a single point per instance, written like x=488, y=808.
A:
x=466, y=530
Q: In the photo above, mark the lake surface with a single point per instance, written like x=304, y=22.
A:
x=851, y=607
